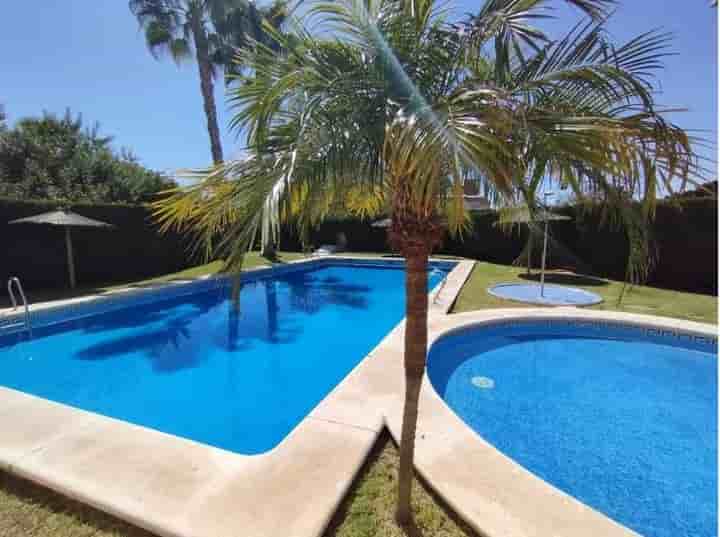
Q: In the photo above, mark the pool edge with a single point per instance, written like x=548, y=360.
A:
x=488, y=489
x=130, y=471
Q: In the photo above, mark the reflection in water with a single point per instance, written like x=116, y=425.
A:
x=310, y=293
x=233, y=315
x=193, y=367
x=168, y=342
x=181, y=334
x=271, y=305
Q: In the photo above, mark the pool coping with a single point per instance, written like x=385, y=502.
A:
x=180, y=488
x=176, y=487
x=55, y=311
x=489, y=490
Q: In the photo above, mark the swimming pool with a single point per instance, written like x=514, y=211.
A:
x=189, y=365
x=621, y=417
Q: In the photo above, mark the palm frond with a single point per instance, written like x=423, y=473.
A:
x=380, y=106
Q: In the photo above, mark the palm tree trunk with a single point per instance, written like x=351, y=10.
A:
x=416, y=317
x=206, y=87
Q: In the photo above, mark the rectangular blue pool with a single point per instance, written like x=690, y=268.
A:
x=189, y=366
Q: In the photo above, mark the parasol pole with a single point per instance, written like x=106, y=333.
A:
x=544, y=254
x=542, y=267
x=70, y=262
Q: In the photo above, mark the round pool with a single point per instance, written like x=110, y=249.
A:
x=621, y=417
x=552, y=295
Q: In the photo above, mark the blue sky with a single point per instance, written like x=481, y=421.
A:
x=90, y=56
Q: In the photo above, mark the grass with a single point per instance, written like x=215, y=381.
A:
x=28, y=510
x=252, y=260
x=638, y=299
x=369, y=508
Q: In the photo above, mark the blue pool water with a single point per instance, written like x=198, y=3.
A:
x=621, y=418
x=189, y=366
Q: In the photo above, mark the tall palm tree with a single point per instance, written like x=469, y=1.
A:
x=245, y=24
x=185, y=28
x=209, y=30
x=386, y=106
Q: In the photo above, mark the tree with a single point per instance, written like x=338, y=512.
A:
x=184, y=28
x=58, y=158
x=245, y=24
x=386, y=107
x=209, y=30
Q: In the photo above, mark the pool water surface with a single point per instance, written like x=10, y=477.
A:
x=194, y=367
x=622, y=418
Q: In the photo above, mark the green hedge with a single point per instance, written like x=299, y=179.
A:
x=134, y=249
x=685, y=236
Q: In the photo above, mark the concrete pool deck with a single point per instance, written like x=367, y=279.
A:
x=180, y=488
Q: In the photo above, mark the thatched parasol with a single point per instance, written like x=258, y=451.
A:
x=65, y=219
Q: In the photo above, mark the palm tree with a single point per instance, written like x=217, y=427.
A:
x=210, y=30
x=385, y=107
x=245, y=24
x=184, y=28
x=631, y=218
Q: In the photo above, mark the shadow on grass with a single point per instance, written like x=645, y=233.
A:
x=45, y=512
x=273, y=258
x=352, y=505
x=564, y=278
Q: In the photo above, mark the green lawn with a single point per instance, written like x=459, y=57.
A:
x=368, y=509
x=27, y=510
x=474, y=296
x=252, y=260
x=638, y=299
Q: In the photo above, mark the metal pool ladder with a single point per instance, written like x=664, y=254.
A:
x=15, y=282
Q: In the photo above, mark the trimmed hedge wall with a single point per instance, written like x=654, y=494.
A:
x=134, y=249
x=688, y=246
x=685, y=236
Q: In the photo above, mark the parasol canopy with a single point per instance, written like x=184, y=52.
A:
x=65, y=219
x=61, y=218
